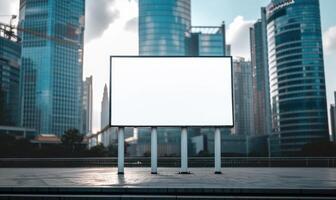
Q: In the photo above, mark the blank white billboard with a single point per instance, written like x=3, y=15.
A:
x=171, y=92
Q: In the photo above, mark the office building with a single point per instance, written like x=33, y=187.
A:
x=207, y=41
x=87, y=95
x=259, y=61
x=296, y=68
x=243, y=98
x=333, y=119
x=105, y=110
x=10, y=52
x=163, y=26
x=51, y=75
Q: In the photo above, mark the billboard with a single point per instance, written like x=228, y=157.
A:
x=171, y=92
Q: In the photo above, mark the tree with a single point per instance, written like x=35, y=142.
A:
x=72, y=139
x=112, y=150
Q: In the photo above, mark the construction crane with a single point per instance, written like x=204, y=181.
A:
x=8, y=31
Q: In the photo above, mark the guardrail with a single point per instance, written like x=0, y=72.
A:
x=171, y=162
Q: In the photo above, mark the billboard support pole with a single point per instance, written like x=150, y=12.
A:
x=184, y=151
x=121, y=150
x=218, y=151
x=154, y=150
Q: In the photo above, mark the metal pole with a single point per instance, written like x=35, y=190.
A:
x=217, y=151
x=184, y=151
x=121, y=150
x=154, y=150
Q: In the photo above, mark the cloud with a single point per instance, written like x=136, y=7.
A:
x=114, y=40
x=329, y=40
x=239, y=38
x=132, y=25
x=8, y=7
x=5, y=7
x=99, y=15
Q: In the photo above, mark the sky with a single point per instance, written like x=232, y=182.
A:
x=111, y=29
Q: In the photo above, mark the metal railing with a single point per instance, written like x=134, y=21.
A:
x=171, y=162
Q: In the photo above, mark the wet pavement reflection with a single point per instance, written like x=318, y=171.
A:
x=169, y=177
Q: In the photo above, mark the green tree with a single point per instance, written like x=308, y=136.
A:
x=112, y=150
x=72, y=138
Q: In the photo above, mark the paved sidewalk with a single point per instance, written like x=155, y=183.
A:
x=291, y=178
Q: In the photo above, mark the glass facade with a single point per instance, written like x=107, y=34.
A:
x=163, y=26
x=259, y=59
x=51, y=76
x=10, y=52
x=206, y=41
x=297, y=81
x=243, y=98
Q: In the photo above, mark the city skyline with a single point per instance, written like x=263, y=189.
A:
x=119, y=36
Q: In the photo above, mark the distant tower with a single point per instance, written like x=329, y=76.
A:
x=259, y=59
x=105, y=112
x=243, y=98
x=87, y=106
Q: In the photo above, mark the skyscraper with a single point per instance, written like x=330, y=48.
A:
x=259, y=60
x=296, y=68
x=243, y=98
x=105, y=110
x=163, y=25
x=87, y=106
x=10, y=52
x=51, y=75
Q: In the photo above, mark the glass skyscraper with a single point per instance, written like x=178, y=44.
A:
x=243, y=98
x=296, y=67
x=51, y=75
x=10, y=52
x=163, y=27
x=259, y=60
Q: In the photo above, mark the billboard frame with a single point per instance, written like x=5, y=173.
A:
x=170, y=126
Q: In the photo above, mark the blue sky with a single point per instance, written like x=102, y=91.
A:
x=212, y=12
